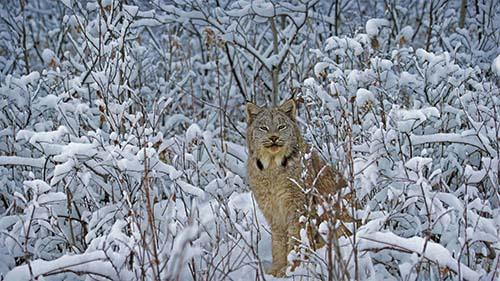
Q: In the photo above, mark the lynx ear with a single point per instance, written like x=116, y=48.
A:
x=289, y=108
x=251, y=110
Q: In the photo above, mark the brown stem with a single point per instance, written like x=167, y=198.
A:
x=25, y=49
x=275, y=69
x=429, y=30
x=463, y=10
x=149, y=209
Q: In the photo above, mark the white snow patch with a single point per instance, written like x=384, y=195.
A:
x=373, y=26
x=67, y=3
x=473, y=176
x=339, y=46
x=189, y=188
x=193, y=132
x=94, y=262
x=408, y=119
x=130, y=9
x=38, y=186
x=48, y=55
x=363, y=97
x=61, y=170
x=309, y=82
x=495, y=66
x=406, y=33
x=76, y=149
x=22, y=161
x=320, y=67
x=433, y=251
x=417, y=163
x=49, y=101
x=48, y=137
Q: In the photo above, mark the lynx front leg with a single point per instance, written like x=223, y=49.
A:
x=280, y=250
x=293, y=237
x=293, y=232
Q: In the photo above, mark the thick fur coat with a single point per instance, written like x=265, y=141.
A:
x=280, y=167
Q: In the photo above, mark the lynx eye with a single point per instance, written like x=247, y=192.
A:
x=281, y=127
x=264, y=128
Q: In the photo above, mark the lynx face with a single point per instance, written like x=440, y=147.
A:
x=272, y=133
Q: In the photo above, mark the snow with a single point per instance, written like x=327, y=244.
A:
x=46, y=137
x=193, y=132
x=341, y=45
x=48, y=55
x=408, y=79
x=263, y=9
x=448, y=137
x=38, y=186
x=145, y=153
x=409, y=119
x=76, y=149
x=495, y=66
x=22, y=161
x=309, y=82
x=472, y=175
x=94, y=262
x=51, y=198
x=429, y=250
x=364, y=97
x=168, y=169
x=190, y=189
x=374, y=26
x=417, y=163
x=49, y=101
x=62, y=170
x=127, y=165
x=382, y=64
x=320, y=67
x=67, y=3
x=181, y=250
x=25, y=80
x=131, y=10
x=406, y=33
x=145, y=22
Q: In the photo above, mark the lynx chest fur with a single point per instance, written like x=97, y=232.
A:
x=276, y=188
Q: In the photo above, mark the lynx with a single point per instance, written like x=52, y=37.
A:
x=279, y=164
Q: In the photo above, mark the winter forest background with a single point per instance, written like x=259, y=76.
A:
x=122, y=148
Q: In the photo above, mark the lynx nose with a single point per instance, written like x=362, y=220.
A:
x=273, y=138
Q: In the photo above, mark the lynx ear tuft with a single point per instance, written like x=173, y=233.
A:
x=289, y=108
x=251, y=110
